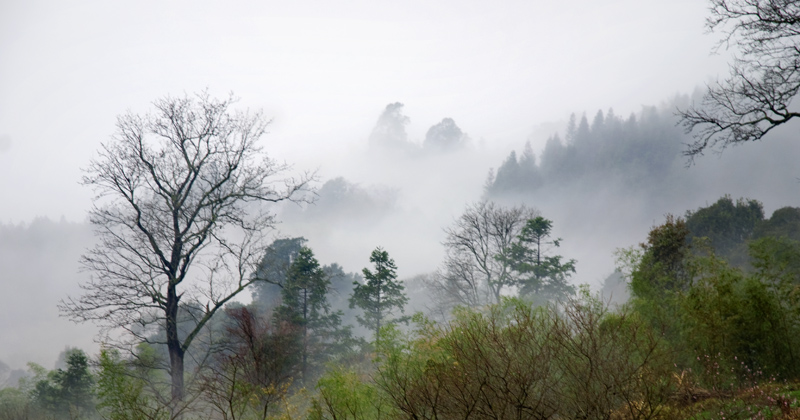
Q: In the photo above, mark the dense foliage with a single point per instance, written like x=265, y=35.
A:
x=711, y=331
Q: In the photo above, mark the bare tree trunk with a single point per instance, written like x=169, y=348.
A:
x=175, y=348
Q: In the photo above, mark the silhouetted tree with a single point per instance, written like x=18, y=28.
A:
x=390, y=130
x=726, y=224
x=174, y=188
x=764, y=76
x=274, y=268
x=305, y=305
x=68, y=393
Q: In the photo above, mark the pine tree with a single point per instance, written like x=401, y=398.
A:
x=539, y=275
x=305, y=305
x=381, y=296
x=67, y=393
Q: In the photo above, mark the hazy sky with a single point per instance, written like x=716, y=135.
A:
x=324, y=71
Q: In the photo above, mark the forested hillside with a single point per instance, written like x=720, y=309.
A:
x=635, y=152
x=610, y=272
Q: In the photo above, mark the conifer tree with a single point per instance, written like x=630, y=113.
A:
x=305, y=305
x=539, y=274
x=381, y=296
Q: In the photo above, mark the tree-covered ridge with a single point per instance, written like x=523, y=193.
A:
x=635, y=151
x=729, y=228
x=712, y=330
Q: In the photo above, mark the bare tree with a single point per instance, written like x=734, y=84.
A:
x=255, y=368
x=176, y=215
x=472, y=274
x=764, y=77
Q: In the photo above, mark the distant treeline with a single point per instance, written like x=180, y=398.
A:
x=637, y=150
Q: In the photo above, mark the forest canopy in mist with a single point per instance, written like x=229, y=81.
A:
x=438, y=223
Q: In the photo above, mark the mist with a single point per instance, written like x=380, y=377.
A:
x=399, y=193
x=402, y=112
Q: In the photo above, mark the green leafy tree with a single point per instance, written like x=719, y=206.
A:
x=662, y=268
x=346, y=395
x=123, y=392
x=274, y=268
x=659, y=273
x=381, y=296
x=538, y=274
x=16, y=404
x=305, y=305
x=785, y=222
x=727, y=225
x=748, y=319
x=722, y=321
x=67, y=393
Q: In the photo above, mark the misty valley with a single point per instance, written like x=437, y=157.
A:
x=700, y=312
x=638, y=266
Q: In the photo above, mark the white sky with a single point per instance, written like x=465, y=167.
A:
x=324, y=71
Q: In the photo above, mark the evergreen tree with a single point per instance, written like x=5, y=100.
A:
x=539, y=275
x=381, y=296
x=67, y=393
x=273, y=269
x=572, y=129
x=508, y=174
x=305, y=305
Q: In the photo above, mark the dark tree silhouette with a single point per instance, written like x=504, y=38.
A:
x=175, y=215
x=763, y=80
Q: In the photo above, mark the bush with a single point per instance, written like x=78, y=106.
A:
x=516, y=361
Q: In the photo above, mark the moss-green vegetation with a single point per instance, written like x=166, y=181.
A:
x=709, y=333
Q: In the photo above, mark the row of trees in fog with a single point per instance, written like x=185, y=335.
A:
x=637, y=151
x=713, y=318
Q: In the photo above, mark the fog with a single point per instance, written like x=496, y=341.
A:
x=325, y=75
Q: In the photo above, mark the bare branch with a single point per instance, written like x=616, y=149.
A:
x=471, y=274
x=763, y=80
x=178, y=194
